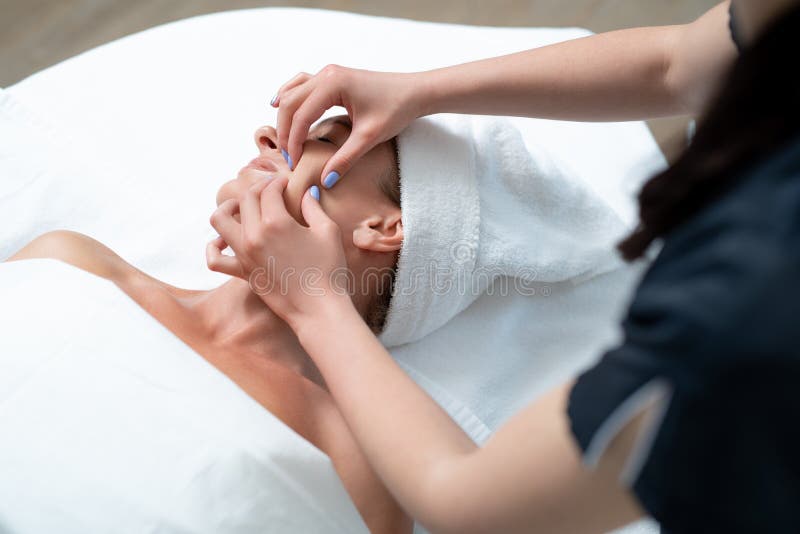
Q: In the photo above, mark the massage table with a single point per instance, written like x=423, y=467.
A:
x=107, y=421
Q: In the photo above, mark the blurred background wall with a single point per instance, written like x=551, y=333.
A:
x=35, y=34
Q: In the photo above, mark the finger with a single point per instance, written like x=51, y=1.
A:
x=226, y=226
x=312, y=108
x=312, y=211
x=291, y=100
x=343, y=160
x=219, y=262
x=296, y=80
x=251, y=205
x=273, y=208
x=219, y=242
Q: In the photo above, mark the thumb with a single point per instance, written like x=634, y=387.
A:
x=312, y=210
x=343, y=160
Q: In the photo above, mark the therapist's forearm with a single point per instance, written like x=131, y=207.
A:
x=621, y=75
x=405, y=435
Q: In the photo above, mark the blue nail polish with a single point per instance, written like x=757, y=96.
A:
x=288, y=159
x=314, y=190
x=272, y=102
x=331, y=179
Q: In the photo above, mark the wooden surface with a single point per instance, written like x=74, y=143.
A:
x=35, y=34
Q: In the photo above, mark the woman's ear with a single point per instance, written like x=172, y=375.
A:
x=380, y=233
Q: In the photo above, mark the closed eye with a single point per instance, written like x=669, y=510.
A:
x=326, y=140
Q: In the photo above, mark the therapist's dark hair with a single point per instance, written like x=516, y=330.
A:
x=756, y=112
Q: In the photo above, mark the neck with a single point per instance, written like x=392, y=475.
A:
x=233, y=318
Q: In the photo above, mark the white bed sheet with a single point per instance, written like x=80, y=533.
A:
x=109, y=423
x=165, y=116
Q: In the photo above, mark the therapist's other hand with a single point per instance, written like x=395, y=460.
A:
x=380, y=105
x=290, y=266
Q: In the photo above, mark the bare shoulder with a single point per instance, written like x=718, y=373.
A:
x=79, y=250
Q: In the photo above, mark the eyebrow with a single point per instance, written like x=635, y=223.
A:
x=337, y=120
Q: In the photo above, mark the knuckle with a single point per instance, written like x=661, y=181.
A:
x=369, y=132
x=251, y=242
x=270, y=226
x=300, y=76
x=215, y=218
x=332, y=72
x=330, y=69
x=279, y=226
x=228, y=205
x=344, y=161
x=213, y=261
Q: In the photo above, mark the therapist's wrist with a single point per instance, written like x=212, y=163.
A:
x=429, y=94
x=462, y=88
x=325, y=317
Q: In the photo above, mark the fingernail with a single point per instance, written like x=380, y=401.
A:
x=288, y=159
x=272, y=102
x=331, y=179
x=314, y=190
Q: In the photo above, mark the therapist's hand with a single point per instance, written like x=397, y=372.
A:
x=290, y=266
x=380, y=105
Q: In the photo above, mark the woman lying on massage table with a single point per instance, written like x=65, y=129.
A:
x=690, y=417
x=234, y=330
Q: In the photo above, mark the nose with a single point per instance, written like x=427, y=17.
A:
x=266, y=138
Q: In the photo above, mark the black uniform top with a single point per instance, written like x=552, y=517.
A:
x=735, y=35
x=712, y=343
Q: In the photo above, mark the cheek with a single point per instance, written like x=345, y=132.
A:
x=338, y=209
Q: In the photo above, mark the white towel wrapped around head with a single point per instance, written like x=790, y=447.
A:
x=478, y=205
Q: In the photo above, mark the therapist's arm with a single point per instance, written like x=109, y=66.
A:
x=629, y=74
x=527, y=478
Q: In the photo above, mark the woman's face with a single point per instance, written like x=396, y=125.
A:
x=323, y=140
x=370, y=222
